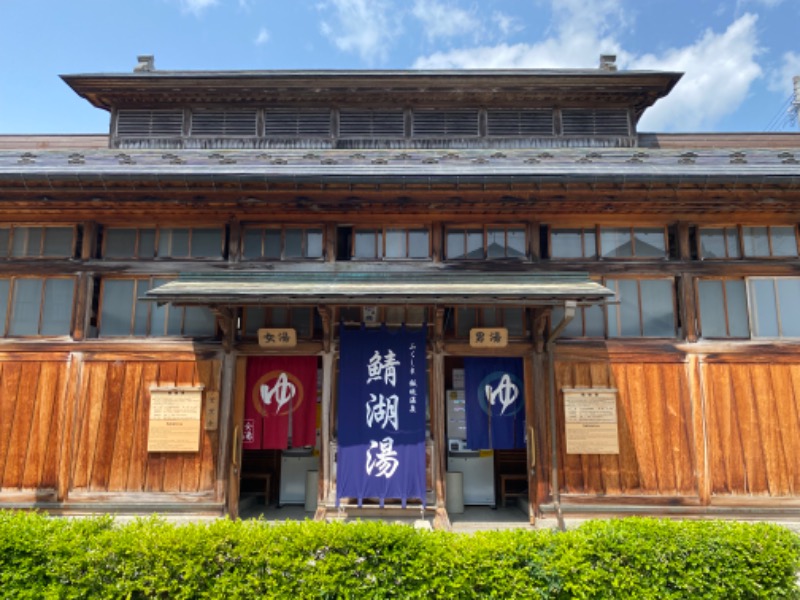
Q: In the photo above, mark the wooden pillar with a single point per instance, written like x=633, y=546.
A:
x=530, y=445
x=438, y=417
x=231, y=417
x=540, y=493
x=324, y=482
x=697, y=409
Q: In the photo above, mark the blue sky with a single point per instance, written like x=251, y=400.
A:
x=739, y=56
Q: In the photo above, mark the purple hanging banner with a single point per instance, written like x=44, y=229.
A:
x=495, y=402
x=381, y=414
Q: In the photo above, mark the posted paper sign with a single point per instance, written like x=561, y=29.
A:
x=590, y=416
x=174, y=419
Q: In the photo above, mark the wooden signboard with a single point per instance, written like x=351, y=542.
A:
x=590, y=415
x=174, y=419
x=488, y=337
x=277, y=338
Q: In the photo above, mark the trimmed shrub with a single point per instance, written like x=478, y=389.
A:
x=43, y=557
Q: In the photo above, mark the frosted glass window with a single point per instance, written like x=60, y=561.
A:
x=251, y=243
x=566, y=243
x=272, y=243
x=396, y=243
x=27, y=241
x=314, y=243
x=5, y=238
x=366, y=243
x=649, y=242
x=58, y=241
x=293, y=243
x=788, y=299
x=496, y=243
x=198, y=321
x=784, y=242
x=206, y=243
x=120, y=243
x=5, y=284
x=658, y=308
x=57, y=311
x=118, y=301
x=254, y=318
x=465, y=318
x=301, y=321
x=25, y=307
x=763, y=313
x=712, y=313
x=756, y=241
x=147, y=243
x=616, y=242
x=514, y=320
x=418, y=243
x=720, y=242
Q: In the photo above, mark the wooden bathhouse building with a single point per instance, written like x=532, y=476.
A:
x=394, y=291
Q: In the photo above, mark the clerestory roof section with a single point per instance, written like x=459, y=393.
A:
x=635, y=90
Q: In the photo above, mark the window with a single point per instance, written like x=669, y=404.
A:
x=304, y=319
x=512, y=318
x=282, y=243
x=773, y=306
x=614, y=242
x=31, y=306
x=492, y=242
x=573, y=243
x=719, y=242
x=589, y=321
x=633, y=242
x=391, y=243
x=163, y=242
x=123, y=314
x=641, y=308
x=722, y=305
x=37, y=242
x=769, y=241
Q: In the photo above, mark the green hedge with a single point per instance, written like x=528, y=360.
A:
x=43, y=557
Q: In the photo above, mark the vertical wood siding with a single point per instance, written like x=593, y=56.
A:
x=655, y=434
x=753, y=424
x=31, y=397
x=111, y=429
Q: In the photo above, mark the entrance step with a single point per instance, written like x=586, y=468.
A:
x=415, y=515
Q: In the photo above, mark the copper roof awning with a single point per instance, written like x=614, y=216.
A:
x=407, y=287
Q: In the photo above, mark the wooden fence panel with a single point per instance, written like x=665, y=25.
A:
x=31, y=397
x=655, y=434
x=113, y=421
x=753, y=428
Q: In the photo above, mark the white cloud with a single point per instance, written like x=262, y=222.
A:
x=781, y=80
x=443, y=20
x=196, y=6
x=581, y=32
x=262, y=37
x=506, y=24
x=363, y=26
x=719, y=68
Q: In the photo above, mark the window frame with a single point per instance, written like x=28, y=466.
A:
x=267, y=321
x=158, y=231
x=137, y=292
x=12, y=233
x=304, y=229
x=5, y=331
x=725, y=307
x=777, y=305
x=485, y=230
x=379, y=245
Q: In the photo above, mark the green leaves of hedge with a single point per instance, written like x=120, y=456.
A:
x=43, y=557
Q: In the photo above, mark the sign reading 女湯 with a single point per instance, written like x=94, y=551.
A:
x=381, y=426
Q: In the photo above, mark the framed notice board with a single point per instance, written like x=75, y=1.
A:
x=590, y=417
x=174, y=424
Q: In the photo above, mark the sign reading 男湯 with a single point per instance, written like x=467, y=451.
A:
x=590, y=416
x=488, y=337
x=174, y=424
x=277, y=338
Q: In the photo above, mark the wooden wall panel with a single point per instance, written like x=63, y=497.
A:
x=753, y=423
x=111, y=435
x=655, y=434
x=31, y=396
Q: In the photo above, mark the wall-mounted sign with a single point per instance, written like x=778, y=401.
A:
x=174, y=419
x=212, y=411
x=590, y=416
x=277, y=338
x=488, y=337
